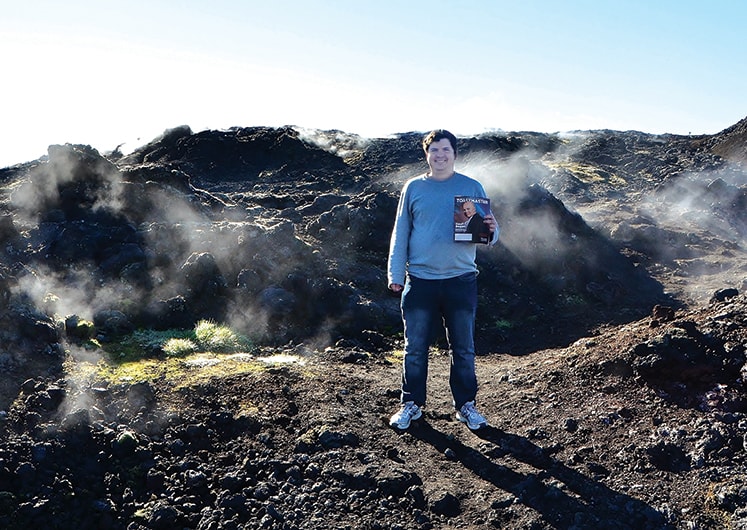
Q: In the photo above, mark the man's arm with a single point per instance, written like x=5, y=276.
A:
x=398, y=245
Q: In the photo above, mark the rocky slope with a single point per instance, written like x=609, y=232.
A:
x=611, y=336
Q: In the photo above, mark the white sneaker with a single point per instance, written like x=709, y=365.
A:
x=407, y=412
x=468, y=414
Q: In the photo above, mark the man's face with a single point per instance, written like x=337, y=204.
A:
x=440, y=157
x=469, y=209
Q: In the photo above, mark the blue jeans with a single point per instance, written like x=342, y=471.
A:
x=426, y=304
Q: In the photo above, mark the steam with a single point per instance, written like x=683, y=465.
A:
x=336, y=142
x=177, y=226
x=76, y=179
x=684, y=220
x=535, y=238
x=698, y=220
x=74, y=292
x=505, y=178
x=72, y=173
x=708, y=201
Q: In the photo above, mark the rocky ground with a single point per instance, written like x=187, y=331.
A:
x=611, y=322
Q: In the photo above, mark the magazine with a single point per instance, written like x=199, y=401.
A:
x=469, y=215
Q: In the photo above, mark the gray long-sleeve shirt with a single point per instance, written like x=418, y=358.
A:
x=422, y=242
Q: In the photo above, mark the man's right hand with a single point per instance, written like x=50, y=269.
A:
x=395, y=287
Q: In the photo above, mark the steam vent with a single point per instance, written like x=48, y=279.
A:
x=199, y=335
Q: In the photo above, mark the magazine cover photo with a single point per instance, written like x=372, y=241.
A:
x=469, y=215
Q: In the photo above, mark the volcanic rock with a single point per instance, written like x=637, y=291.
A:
x=611, y=335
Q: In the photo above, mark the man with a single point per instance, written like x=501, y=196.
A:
x=476, y=225
x=438, y=280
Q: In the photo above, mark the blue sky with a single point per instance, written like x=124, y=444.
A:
x=104, y=73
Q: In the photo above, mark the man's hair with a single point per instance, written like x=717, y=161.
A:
x=438, y=135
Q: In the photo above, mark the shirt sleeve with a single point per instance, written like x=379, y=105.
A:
x=399, y=242
x=494, y=238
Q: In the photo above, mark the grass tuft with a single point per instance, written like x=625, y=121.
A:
x=211, y=337
x=178, y=347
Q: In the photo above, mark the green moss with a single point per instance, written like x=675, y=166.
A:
x=184, y=358
x=126, y=440
x=207, y=336
x=151, y=341
x=185, y=372
x=503, y=324
x=572, y=300
x=83, y=330
x=589, y=174
x=396, y=356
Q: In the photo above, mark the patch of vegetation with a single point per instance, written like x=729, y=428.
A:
x=503, y=324
x=571, y=301
x=185, y=358
x=207, y=336
x=176, y=347
x=396, y=356
x=81, y=329
x=185, y=372
x=214, y=338
x=589, y=174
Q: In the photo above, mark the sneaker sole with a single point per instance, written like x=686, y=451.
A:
x=415, y=417
x=471, y=426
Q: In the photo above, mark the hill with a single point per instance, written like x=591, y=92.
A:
x=611, y=336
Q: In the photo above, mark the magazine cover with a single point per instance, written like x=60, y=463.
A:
x=469, y=213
